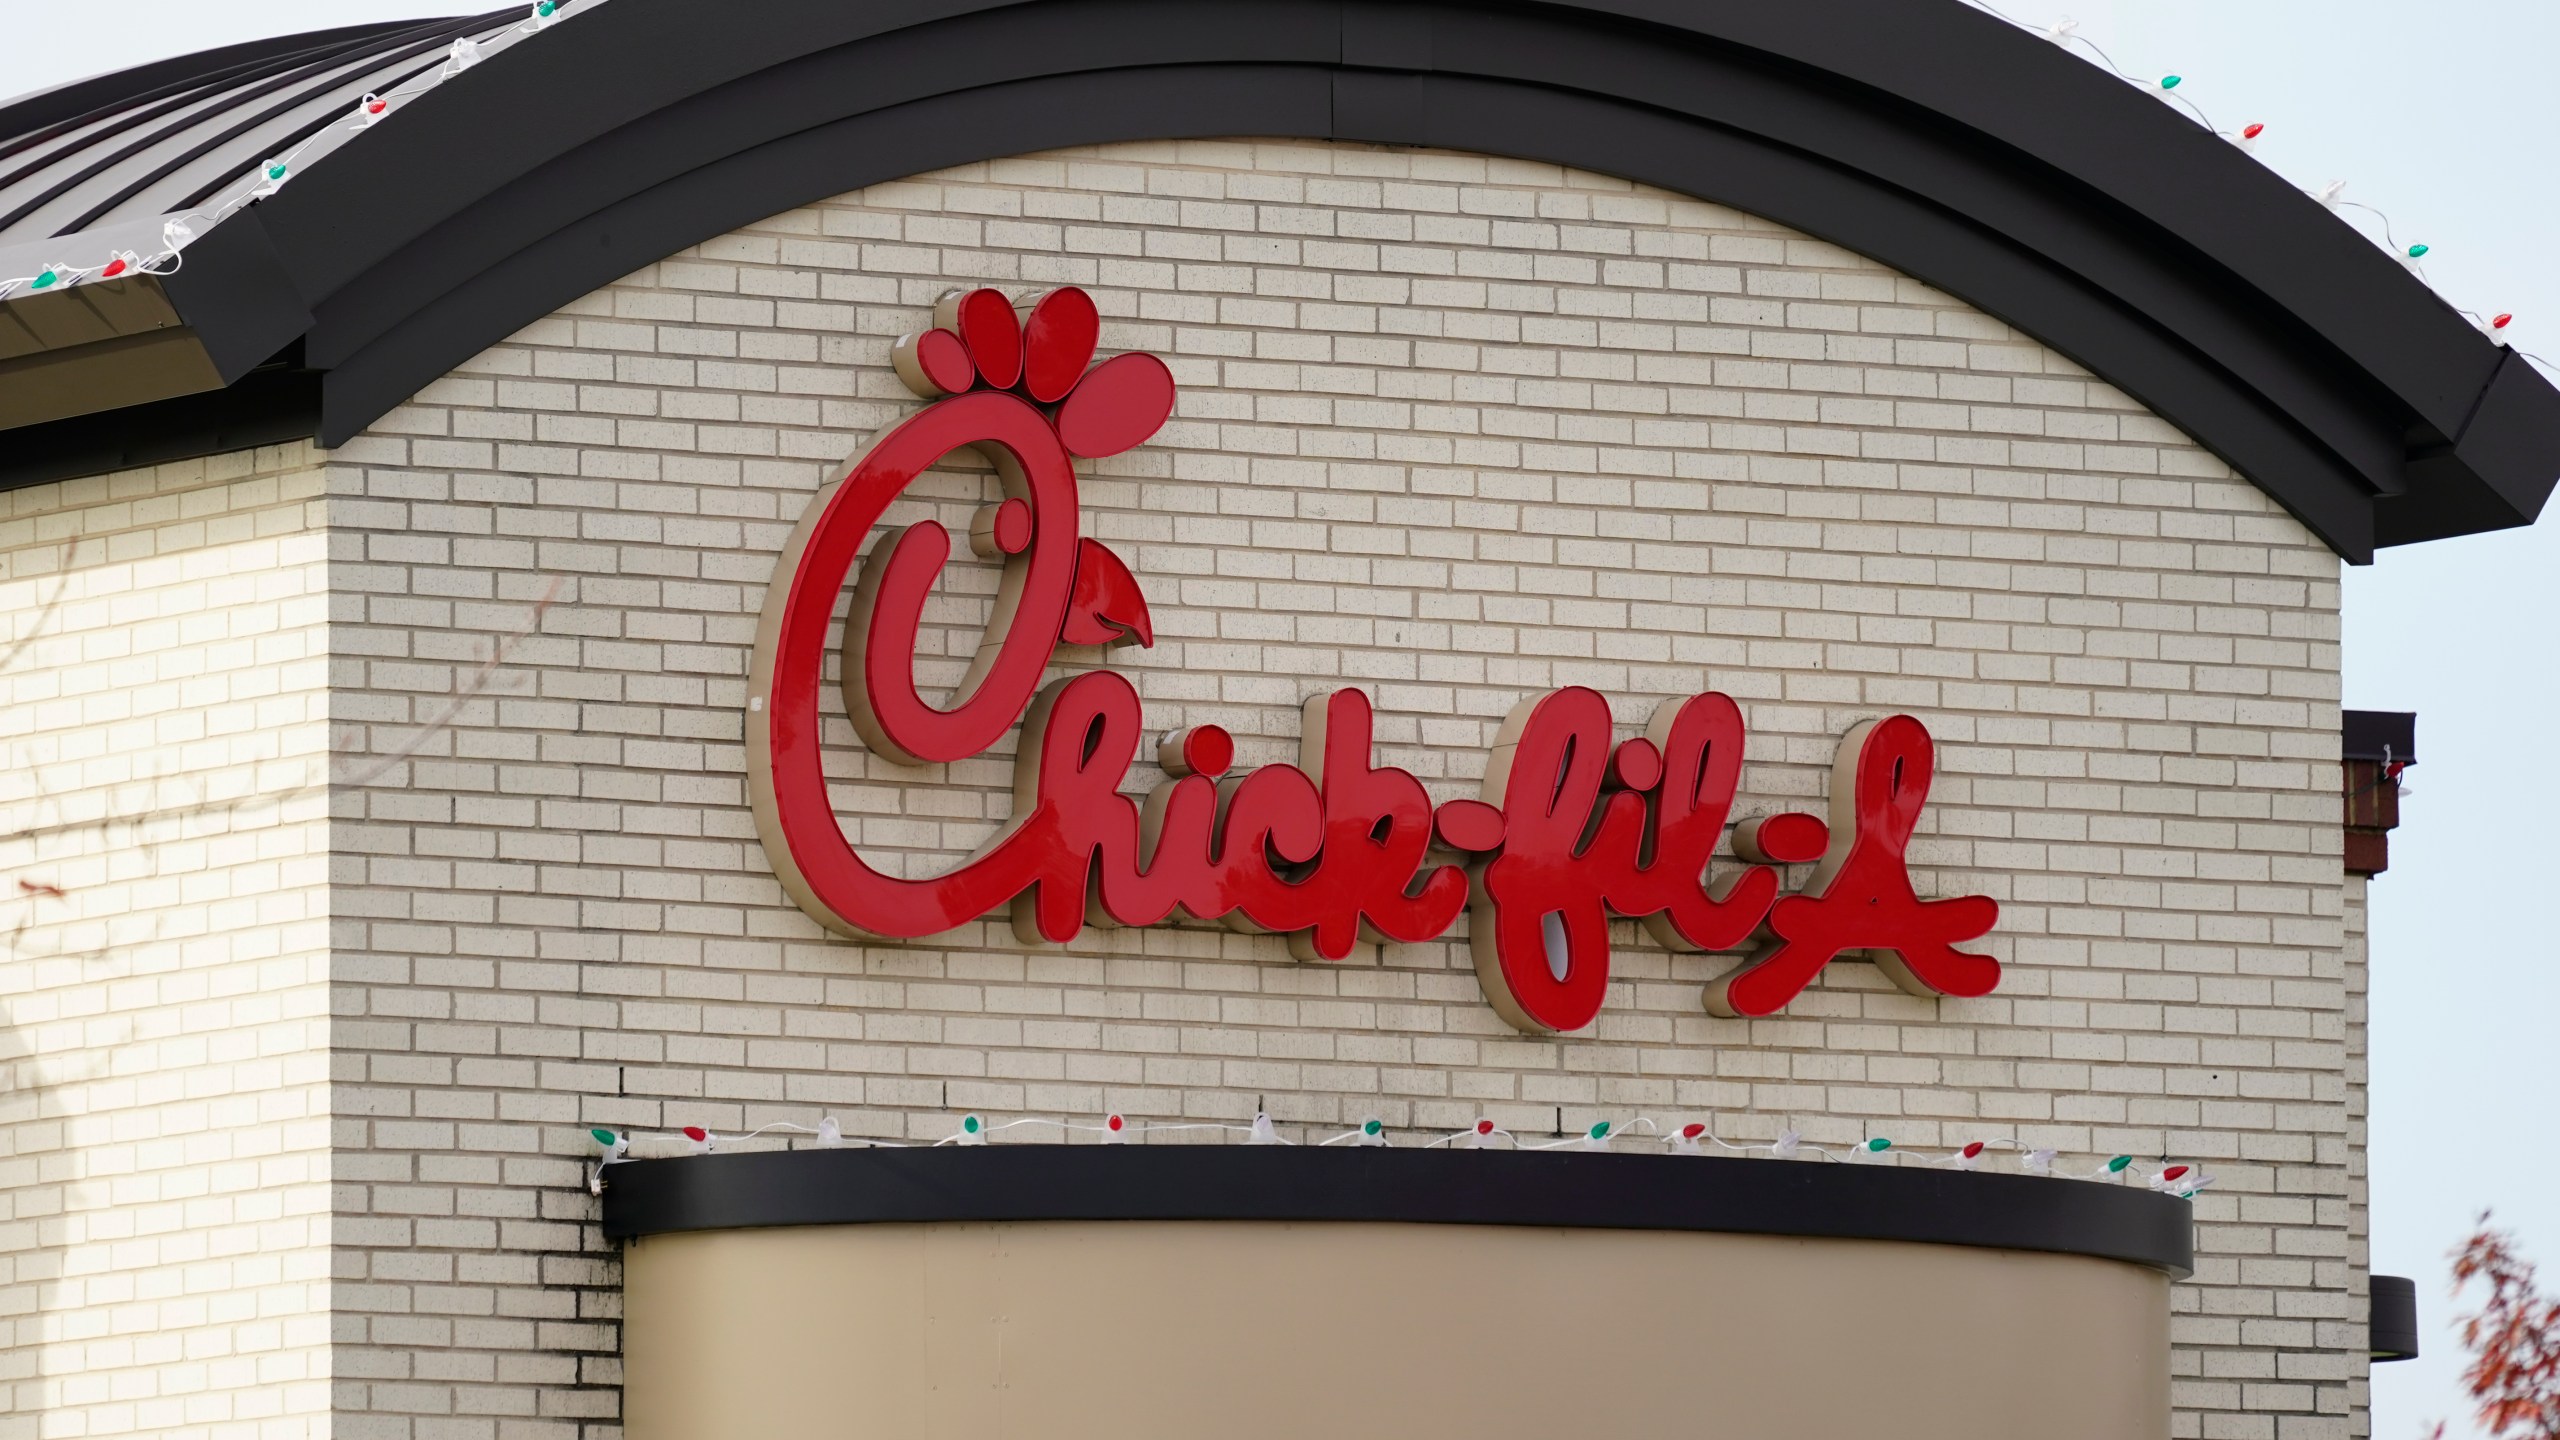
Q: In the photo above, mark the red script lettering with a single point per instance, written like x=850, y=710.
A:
x=1572, y=826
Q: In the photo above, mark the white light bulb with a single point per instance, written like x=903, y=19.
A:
x=464, y=55
x=2039, y=1162
x=1788, y=1143
x=830, y=1134
x=1262, y=1133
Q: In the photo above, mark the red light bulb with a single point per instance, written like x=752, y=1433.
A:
x=1693, y=1131
x=2253, y=132
x=2500, y=322
x=1114, y=1123
x=1484, y=1127
x=1973, y=1151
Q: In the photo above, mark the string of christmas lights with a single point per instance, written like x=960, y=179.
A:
x=467, y=52
x=1688, y=1138
x=116, y=266
x=2066, y=33
x=269, y=177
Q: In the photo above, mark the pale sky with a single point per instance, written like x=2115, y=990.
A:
x=2432, y=112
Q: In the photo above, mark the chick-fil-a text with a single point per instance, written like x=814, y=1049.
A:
x=1571, y=826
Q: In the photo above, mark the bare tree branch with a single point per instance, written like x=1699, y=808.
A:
x=122, y=828
x=465, y=690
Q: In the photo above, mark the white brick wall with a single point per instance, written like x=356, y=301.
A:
x=164, y=1151
x=2343, y=1325
x=1452, y=429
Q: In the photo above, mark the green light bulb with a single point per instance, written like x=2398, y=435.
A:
x=1373, y=1128
x=1878, y=1145
x=1600, y=1131
x=2417, y=252
x=605, y=1138
x=2116, y=1166
x=2171, y=82
x=275, y=169
x=971, y=1124
x=45, y=280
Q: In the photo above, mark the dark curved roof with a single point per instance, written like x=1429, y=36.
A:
x=1954, y=147
x=1410, y=1185
x=166, y=137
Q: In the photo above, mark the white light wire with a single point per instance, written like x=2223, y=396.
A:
x=2066, y=34
x=1788, y=1145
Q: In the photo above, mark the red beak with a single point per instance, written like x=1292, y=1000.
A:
x=1107, y=608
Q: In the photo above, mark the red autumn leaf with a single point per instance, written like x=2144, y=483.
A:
x=2514, y=1339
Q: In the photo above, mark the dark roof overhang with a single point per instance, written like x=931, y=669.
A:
x=1974, y=156
x=1405, y=1185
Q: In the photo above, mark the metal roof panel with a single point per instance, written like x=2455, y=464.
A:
x=168, y=137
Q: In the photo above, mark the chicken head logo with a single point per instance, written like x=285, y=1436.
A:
x=1012, y=385
x=1571, y=826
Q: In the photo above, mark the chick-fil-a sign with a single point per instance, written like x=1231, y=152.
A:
x=1573, y=826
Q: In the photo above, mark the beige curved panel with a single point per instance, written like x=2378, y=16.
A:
x=1262, y=1331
